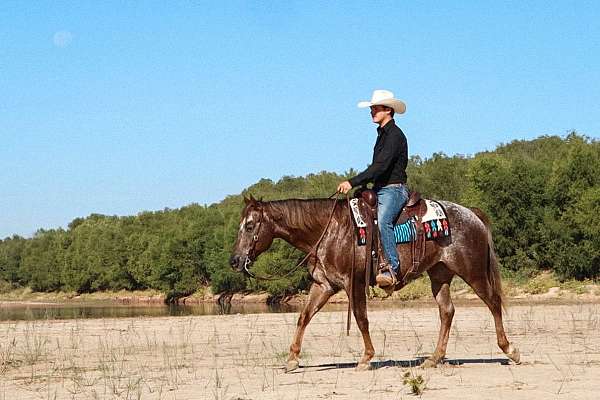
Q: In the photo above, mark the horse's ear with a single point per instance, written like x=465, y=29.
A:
x=246, y=200
x=254, y=203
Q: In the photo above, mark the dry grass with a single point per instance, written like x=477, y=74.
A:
x=414, y=381
x=26, y=294
x=419, y=289
x=240, y=357
x=541, y=283
x=66, y=359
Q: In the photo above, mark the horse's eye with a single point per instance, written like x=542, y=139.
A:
x=249, y=227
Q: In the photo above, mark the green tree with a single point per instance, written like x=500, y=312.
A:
x=11, y=250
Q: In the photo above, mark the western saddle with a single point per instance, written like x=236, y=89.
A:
x=415, y=208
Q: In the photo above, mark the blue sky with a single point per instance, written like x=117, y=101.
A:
x=119, y=107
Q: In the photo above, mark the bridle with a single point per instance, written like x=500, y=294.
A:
x=251, y=250
x=313, y=251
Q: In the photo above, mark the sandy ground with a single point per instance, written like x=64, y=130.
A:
x=241, y=356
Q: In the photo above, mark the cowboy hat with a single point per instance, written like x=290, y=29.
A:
x=384, y=98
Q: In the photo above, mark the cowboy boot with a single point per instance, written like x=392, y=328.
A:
x=386, y=277
x=385, y=272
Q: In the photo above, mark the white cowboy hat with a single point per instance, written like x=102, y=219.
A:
x=384, y=98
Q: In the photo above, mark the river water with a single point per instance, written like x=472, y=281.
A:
x=33, y=311
x=11, y=311
x=18, y=311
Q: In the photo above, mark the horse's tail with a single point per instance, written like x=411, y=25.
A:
x=493, y=270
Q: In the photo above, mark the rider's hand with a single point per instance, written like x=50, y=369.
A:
x=344, y=187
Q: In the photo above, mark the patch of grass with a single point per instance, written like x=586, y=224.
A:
x=511, y=288
x=417, y=289
x=26, y=294
x=378, y=293
x=201, y=293
x=517, y=278
x=281, y=356
x=458, y=284
x=7, y=355
x=416, y=383
x=35, y=345
x=577, y=287
x=541, y=283
x=14, y=294
x=5, y=287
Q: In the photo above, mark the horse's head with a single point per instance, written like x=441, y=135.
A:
x=254, y=236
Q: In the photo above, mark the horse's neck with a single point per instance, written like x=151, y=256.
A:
x=301, y=223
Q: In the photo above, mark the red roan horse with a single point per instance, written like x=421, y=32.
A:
x=468, y=253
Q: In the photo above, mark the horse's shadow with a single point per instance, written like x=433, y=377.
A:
x=402, y=363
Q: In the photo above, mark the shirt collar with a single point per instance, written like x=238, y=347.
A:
x=387, y=127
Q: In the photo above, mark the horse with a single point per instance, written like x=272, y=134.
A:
x=323, y=229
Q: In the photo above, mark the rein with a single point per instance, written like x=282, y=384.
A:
x=313, y=250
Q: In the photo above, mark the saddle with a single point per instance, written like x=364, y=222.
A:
x=415, y=208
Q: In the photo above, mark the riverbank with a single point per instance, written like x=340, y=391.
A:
x=543, y=287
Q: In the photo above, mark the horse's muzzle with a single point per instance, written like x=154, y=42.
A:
x=239, y=262
x=234, y=261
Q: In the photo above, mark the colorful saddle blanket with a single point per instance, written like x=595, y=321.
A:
x=435, y=225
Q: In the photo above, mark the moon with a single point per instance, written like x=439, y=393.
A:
x=62, y=38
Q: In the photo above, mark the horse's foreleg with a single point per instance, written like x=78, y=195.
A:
x=317, y=297
x=360, y=314
x=440, y=288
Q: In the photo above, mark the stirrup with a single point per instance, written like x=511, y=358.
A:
x=384, y=280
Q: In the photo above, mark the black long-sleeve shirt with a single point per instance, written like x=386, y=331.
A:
x=390, y=157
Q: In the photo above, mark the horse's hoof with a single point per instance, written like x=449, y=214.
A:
x=429, y=363
x=363, y=366
x=514, y=354
x=291, y=365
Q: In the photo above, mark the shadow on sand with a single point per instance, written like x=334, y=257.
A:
x=402, y=363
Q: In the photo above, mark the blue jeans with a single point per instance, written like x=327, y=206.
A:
x=390, y=201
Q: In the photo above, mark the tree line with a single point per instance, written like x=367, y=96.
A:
x=543, y=196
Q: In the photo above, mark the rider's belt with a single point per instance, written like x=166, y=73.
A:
x=388, y=185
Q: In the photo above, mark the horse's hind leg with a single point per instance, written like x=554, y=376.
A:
x=317, y=297
x=441, y=277
x=493, y=299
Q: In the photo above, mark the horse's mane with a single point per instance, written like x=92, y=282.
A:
x=303, y=213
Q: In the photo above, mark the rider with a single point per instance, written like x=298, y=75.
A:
x=388, y=175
